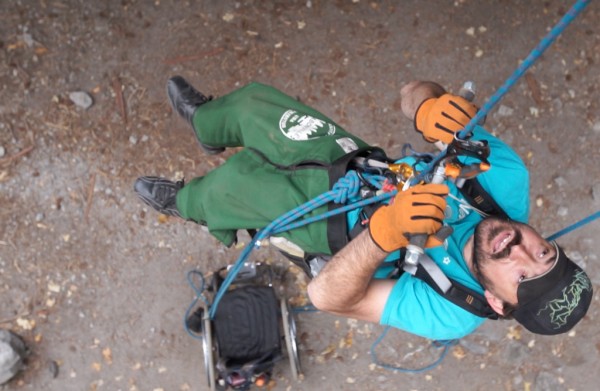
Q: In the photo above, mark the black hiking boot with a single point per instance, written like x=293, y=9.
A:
x=159, y=193
x=185, y=99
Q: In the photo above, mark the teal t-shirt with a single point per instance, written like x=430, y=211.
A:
x=413, y=305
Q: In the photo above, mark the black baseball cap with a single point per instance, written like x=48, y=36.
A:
x=553, y=302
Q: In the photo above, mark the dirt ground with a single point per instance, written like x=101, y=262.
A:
x=96, y=283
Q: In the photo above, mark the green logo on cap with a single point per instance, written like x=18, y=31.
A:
x=560, y=309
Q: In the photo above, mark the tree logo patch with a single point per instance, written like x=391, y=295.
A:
x=301, y=127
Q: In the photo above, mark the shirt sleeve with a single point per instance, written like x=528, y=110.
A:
x=413, y=306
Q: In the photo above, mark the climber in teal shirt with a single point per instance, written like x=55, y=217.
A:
x=293, y=153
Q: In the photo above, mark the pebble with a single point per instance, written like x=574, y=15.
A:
x=39, y=217
x=557, y=104
x=505, y=111
x=596, y=127
x=473, y=347
x=515, y=353
x=2, y=151
x=12, y=355
x=560, y=181
x=28, y=39
x=53, y=368
x=546, y=381
x=562, y=211
x=81, y=99
x=133, y=139
x=576, y=257
x=596, y=192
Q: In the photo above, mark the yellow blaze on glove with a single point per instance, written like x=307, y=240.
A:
x=439, y=118
x=418, y=210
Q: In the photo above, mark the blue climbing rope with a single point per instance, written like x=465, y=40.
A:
x=533, y=56
x=446, y=345
x=198, y=296
x=574, y=226
x=346, y=188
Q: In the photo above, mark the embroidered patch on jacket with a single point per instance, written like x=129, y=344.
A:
x=301, y=127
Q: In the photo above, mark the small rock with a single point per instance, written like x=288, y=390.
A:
x=557, y=104
x=505, y=111
x=560, y=181
x=562, y=211
x=2, y=151
x=596, y=192
x=534, y=111
x=12, y=353
x=39, y=217
x=81, y=99
x=576, y=257
x=28, y=39
x=53, y=368
x=547, y=381
x=515, y=353
x=473, y=347
x=596, y=127
x=133, y=139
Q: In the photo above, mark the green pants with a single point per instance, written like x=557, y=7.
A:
x=292, y=154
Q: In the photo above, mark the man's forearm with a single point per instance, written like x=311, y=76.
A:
x=345, y=284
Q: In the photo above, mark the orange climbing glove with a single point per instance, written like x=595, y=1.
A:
x=418, y=210
x=439, y=118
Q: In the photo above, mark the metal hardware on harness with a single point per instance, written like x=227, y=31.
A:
x=412, y=258
x=449, y=167
x=248, y=270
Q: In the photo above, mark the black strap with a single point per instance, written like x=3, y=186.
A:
x=458, y=294
x=337, y=232
x=464, y=297
x=481, y=199
x=363, y=220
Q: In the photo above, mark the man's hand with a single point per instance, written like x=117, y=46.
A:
x=418, y=210
x=439, y=118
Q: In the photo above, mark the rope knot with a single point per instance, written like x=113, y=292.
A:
x=346, y=187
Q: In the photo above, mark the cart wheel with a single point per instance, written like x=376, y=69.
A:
x=208, y=350
x=289, y=330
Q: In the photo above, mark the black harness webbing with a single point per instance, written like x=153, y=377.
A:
x=464, y=297
x=481, y=199
x=458, y=294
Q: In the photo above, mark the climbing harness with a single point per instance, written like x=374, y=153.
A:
x=438, y=168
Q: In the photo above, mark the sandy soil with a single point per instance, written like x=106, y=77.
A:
x=96, y=283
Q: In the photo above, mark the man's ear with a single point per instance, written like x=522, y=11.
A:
x=494, y=302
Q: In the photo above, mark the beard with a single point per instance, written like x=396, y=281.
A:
x=483, y=251
x=485, y=232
